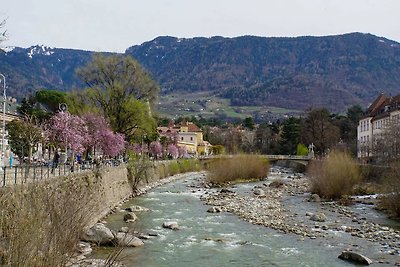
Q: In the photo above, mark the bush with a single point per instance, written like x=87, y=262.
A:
x=173, y=168
x=390, y=200
x=236, y=168
x=217, y=149
x=335, y=176
x=138, y=170
x=40, y=224
x=302, y=150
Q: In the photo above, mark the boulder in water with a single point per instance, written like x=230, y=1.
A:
x=214, y=209
x=98, y=234
x=355, y=257
x=314, y=198
x=318, y=217
x=171, y=225
x=259, y=192
x=127, y=240
x=136, y=208
x=130, y=217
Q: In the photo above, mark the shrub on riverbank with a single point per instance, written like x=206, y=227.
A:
x=236, y=168
x=141, y=169
x=138, y=170
x=40, y=224
x=335, y=176
x=180, y=166
x=390, y=200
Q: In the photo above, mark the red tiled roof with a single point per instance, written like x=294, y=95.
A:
x=191, y=126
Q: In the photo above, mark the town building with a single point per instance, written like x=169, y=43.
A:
x=11, y=113
x=384, y=111
x=186, y=134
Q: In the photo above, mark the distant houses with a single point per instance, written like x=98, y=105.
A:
x=186, y=134
x=382, y=113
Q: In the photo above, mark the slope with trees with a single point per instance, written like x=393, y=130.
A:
x=331, y=71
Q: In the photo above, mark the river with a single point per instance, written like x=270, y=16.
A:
x=207, y=239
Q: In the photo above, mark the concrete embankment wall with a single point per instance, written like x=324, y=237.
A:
x=113, y=188
x=110, y=186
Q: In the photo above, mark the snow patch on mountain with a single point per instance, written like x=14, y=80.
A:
x=40, y=50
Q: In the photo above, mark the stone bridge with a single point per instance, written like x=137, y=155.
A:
x=297, y=163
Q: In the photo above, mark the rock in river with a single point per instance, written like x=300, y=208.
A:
x=98, y=234
x=355, y=257
x=214, y=209
x=130, y=217
x=314, y=198
x=259, y=192
x=171, y=225
x=128, y=240
x=318, y=217
x=136, y=208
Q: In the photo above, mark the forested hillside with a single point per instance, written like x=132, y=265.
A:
x=296, y=73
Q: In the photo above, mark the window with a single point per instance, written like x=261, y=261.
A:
x=182, y=138
x=191, y=138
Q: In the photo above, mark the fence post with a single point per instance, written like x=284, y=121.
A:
x=34, y=172
x=15, y=175
x=4, y=176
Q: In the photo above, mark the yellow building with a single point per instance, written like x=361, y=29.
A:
x=189, y=135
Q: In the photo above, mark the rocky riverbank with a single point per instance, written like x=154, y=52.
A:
x=281, y=202
x=99, y=234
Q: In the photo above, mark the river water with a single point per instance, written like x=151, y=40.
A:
x=206, y=239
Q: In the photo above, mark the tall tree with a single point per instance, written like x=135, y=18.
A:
x=24, y=135
x=51, y=99
x=290, y=136
x=319, y=130
x=123, y=91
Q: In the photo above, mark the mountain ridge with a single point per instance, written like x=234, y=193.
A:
x=334, y=71
x=252, y=70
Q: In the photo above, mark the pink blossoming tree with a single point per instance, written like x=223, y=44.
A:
x=68, y=131
x=155, y=149
x=182, y=151
x=172, y=151
x=101, y=136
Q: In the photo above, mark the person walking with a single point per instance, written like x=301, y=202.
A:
x=56, y=160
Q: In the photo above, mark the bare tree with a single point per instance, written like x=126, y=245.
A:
x=319, y=130
x=248, y=141
x=386, y=146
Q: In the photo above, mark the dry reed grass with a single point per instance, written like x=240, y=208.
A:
x=390, y=200
x=236, y=168
x=334, y=177
x=40, y=224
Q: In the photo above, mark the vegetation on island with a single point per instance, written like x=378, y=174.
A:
x=334, y=177
x=238, y=168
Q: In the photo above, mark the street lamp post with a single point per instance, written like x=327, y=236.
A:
x=3, y=150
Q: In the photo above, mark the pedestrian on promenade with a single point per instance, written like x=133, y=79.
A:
x=56, y=160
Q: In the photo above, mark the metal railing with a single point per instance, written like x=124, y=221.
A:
x=22, y=174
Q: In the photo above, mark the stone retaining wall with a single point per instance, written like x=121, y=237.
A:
x=110, y=186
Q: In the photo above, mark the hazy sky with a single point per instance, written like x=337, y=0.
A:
x=107, y=25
